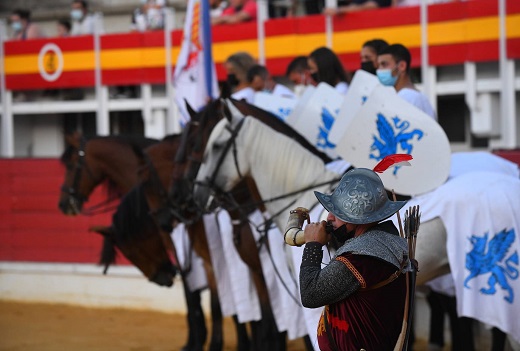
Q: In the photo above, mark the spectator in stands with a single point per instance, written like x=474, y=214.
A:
x=277, y=8
x=298, y=71
x=369, y=52
x=260, y=79
x=22, y=26
x=149, y=16
x=357, y=5
x=324, y=66
x=63, y=28
x=237, y=66
x=394, y=70
x=83, y=22
x=217, y=7
x=238, y=11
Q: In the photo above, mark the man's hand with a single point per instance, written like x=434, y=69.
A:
x=316, y=232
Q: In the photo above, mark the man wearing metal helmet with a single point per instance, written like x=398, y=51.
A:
x=363, y=288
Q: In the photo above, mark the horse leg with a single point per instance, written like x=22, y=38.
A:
x=243, y=342
x=196, y=322
x=461, y=327
x=498, y=338
x=436, y=334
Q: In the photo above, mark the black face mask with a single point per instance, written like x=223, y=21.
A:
x=369, y=67
x=341, y=234
x=316, y=77
x=232, y=80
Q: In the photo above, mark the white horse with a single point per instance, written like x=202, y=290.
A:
x=278, y=166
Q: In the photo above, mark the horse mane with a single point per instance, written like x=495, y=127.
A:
x=277, y=124
x=137, y=145
x=298, y=167
x=132, y=216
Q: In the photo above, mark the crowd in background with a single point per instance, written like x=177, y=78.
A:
x=150, y=15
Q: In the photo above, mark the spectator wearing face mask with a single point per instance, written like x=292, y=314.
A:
x=324, y=66
x=369, y=52
x=394, y=70
x=22, y=27
x=237, y=66
x=298, y=73
x=260, y=79
x=83, y=22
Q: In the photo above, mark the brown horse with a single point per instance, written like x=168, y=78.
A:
x=116, y=160
x=155, y=177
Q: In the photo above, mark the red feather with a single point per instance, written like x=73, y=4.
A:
x=391, y=160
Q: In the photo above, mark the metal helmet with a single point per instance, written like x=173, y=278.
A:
x=360, y=198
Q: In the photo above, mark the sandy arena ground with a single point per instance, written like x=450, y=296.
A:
x=52, y=327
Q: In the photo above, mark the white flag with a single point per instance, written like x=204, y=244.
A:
x=195, y=78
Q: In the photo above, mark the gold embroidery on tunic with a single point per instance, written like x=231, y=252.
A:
x=353, y=269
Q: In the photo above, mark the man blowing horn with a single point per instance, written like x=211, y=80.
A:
x=363, y=288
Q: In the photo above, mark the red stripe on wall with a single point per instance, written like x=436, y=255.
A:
x=33, y=46
x=31, y=226
x=35, y=81
x=231, y=32
x=155, y=75
x=513, y=48
x=132, y=40
x=385, y=17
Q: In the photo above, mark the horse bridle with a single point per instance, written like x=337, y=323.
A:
x=230, y=145
x=72, y=191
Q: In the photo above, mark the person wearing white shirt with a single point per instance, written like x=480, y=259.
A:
x=237, y=66
x=261, y=80
x=83, y=22
x=394, y=70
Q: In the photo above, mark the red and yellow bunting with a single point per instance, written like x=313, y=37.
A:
x=457, y=32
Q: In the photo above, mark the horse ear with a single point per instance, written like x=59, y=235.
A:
x=225, y=93
x=73, y=139
x=105, y=231
x=190, y=109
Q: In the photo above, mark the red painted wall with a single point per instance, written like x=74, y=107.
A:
x=32, y=228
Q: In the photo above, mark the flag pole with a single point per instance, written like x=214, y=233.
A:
x=207, y=47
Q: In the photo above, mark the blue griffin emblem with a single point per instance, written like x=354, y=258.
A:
x=283, y=113
x=323, y=137
x=391, y=137
x=478, y=262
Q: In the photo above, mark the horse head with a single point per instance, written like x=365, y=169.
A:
x=179, y=205
x=223, y=166
x=158, y=269
x=134, y=233
x=81, y=177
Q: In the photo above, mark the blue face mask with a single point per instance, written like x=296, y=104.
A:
x=76, y=14
x=16, y=26
x=385, y=77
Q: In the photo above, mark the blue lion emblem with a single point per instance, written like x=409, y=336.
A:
x=391, y=137
x=323, y=137
x=478, y=262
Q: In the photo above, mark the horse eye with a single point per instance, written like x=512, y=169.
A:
x=218, y=146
